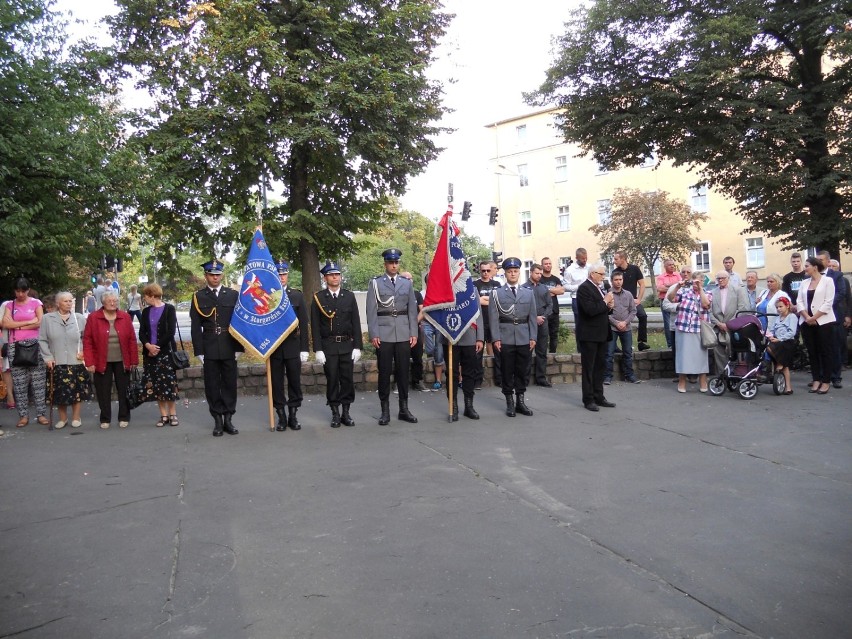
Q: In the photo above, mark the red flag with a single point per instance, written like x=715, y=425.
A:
x=439, y=288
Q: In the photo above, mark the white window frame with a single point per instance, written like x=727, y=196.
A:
x=563, y=219
x=600, y=169
x=521, y=132
x=755, y=252
x=525, y=273
x=705, y=250
x=698, y=199
x=604, y=211
x=525, y=223
x=561, y=174
x=649, y=161
x=523, y=175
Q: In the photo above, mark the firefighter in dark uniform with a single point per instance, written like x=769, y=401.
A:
x=512, y=316
x=336, y=330
x=287, y=359
x=393, y=329
x=210, y=314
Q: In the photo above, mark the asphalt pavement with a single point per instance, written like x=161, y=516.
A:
x=667, y=516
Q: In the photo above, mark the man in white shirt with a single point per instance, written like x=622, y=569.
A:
x=576, y=274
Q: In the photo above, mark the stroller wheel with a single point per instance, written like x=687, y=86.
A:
x=716, y=386
x=747, y=389
x=778, y=384
x=732, y=384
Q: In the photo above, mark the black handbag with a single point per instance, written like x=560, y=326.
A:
x=180, y=358
x=26, y=355
x=136, y=393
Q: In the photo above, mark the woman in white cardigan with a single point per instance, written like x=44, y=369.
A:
x=816, y=317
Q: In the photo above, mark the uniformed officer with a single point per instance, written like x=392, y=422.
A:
x=465, y=357
x=512, y=316
x=336, y=330
x=538, y=362
x=288, y=357
x=210, y=314
x=392, y=327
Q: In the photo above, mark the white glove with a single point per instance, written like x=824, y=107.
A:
x=356, y=355
x=303, y=356
x=201, y=358
x=238, y=354
x=320, y=356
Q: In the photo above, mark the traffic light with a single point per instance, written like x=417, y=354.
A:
x=495, y=257
x=492, y=215
x=94, y=278
x=466, y=211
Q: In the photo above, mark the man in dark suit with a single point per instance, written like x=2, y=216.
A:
x=210, y=314
x=543, y=300
x=393, y=329
x=336, y=331
x=593, y=335
x=287, y=359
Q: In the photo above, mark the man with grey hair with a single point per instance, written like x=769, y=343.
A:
x=751, y=289
x=727, y=301
x=593, y=335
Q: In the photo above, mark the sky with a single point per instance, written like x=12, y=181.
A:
x=493, y=51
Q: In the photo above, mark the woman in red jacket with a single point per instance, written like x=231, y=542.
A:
x=109, y=351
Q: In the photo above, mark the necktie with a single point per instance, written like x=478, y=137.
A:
x=513, y=289
x=393, y=281
x=215, y=292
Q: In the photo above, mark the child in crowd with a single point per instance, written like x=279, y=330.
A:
x=782, y=338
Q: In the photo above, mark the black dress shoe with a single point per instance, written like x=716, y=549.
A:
x=544, y=383
x=605, y=404
x=591, y=407
x=643, y=346
x=837, y=384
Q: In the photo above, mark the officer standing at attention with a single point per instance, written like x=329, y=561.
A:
x=210, y=314
x=465, y=365
x=392, y=327
x=336, y=330
x=514, y=327
x=288, y=357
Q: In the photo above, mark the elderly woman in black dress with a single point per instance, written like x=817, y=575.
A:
x=157, y=334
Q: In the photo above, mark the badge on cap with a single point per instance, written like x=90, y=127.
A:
x=511, y=262
x=330, y=268
x=283, y=266
x=214, y=267
x=392, y=255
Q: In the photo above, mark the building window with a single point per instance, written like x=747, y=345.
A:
x=754, y=253
x=523, y=176
x=526, y=223
x=521, y=132
x=604, y=212
x=701, y=257
x=563, y=219
x=561, y=168
x=698, y=198
x=525, y=275
x=649, y=160
x=600, y=169
x=564, y=263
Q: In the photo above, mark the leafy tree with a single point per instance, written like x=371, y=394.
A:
x=650, y=226
x=754, y=95
x=63, y=167
x=328, y=97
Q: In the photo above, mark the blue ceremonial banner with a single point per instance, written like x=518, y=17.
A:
x=452, y=301
x=264, y=316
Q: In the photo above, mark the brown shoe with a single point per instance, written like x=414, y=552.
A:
x=44, y=421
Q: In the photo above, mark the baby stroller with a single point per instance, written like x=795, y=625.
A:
x=747, y=369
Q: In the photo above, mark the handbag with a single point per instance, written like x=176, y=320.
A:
x=180, y=358
x=4, y=392
x=136, y=393
x=26, y=355
x=708, y=335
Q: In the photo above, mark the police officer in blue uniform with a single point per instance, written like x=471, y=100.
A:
x=210, y=314
x=392, y=328
x=336, y=331
x=286, y=360
x=512, y=316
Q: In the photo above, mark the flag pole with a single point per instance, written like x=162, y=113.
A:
x=451, y=387
x=269, y=396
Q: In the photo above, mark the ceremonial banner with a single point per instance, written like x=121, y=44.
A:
x=452, y=301
x=264, y=316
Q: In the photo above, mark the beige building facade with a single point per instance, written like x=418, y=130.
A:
x=548, y=197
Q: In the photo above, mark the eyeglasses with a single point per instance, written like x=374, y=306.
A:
x=485, y=270
x=599, y=272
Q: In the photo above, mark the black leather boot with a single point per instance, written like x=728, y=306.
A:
x=282, y=421
x=345, y=418
x=510, y=406
x=229, y=426
x=335, y=417
x=217, y=426
x=292, y=422
x=469, y=412
x=455, y=407
x=521, y=407
x=384, y=418
x=405, y=414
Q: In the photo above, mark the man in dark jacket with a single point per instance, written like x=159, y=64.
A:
x=538, y=362
x=593, y=335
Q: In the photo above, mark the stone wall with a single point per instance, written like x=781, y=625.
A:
x=561, y=369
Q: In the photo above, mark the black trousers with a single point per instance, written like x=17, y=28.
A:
x=220, y=385
x=593, y=363
x=553, y=330
x=417, y=359
x=465, y=365
x=820, y=341
x=339, y=378
x=291, y=368
x=538, y=363
x=642, y=316
x=393, y=357
x=103, y=391
x=514, y=362
x=480, y=370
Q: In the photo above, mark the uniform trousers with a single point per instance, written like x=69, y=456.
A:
x=514, y=362
x=393, y=357
x=291, y=367
x=340, y=385
x=480, y=367
x=593, y=362
x=220, y=385
x=417, y=359
x=465, y=363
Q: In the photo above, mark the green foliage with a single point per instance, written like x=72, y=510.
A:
x=650, y=226
x=63, y=168
x=754, y=95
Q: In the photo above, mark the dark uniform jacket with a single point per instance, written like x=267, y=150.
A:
x=211, y=317
x=594, y=314
x=335, y=320
x=297, y=341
